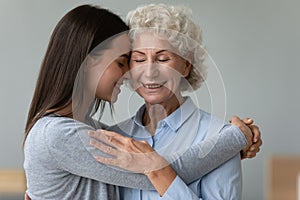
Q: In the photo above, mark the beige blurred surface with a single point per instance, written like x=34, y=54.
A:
x=12, y=182
x=284, y=172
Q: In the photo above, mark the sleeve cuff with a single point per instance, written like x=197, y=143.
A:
x=178, y=190
x=239, y=134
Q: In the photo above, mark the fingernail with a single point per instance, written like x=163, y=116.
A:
x=252, y=148
x=249, y=119
x=248, y=154
x=255, y=140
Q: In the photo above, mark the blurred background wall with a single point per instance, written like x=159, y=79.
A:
x=255, y=45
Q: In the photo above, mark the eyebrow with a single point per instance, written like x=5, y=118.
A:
x=125, y=55
x=140, y=52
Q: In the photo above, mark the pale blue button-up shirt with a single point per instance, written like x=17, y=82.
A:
x=186, y=126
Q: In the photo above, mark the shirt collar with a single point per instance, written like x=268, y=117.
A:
x=138, y=118
x=176, y=119
x=179, y=116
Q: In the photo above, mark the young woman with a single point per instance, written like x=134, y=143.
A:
x=52, y=133
x=76, y=77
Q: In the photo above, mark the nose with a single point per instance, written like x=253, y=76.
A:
x=151, y=70
x=125, y=68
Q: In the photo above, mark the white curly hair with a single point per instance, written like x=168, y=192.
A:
x=177, y=25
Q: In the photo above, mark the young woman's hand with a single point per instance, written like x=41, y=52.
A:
x=252, y=134
x=126, y=153
x=135, y=156
x=26, y=197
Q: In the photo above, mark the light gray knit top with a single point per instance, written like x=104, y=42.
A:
x=59, y=163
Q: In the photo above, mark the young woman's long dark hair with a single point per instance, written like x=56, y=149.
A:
x=75, y=35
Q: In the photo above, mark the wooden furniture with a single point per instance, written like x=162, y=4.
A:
x=284, y=178
x=12, y=182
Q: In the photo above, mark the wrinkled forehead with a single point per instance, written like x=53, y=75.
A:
x=148, y=40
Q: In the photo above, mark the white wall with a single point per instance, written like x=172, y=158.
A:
x=254, y=43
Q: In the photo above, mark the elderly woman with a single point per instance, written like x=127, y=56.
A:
x=166, y=60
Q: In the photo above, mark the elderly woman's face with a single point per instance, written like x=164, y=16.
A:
x=155, y=69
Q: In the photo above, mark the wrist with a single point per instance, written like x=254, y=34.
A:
x=167, y=170
x=162, y=178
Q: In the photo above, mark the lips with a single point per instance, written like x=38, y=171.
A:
x=152, y=85
x=119, y=84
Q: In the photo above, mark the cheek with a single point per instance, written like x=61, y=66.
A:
x=135, y=72
x=92, y=82
x=179, y=64
x=110, y=75
x=173, y=76
x=179, y=67
x=105, y=83
x=99, y=91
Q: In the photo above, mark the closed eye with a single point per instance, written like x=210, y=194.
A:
x=139, y=60
x=122, y=61
x=121, y=64
x=163, y=60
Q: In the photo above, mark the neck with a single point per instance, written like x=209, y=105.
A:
x=157, y=112
x=65, y=111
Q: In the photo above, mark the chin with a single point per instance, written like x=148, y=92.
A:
x=113, y=99
x=107, y=99
x=154, y=100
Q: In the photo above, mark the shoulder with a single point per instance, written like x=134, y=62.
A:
x=57, y=130
x=65, y=124
x=213, y=122
x=201, y=115
x=213, y=118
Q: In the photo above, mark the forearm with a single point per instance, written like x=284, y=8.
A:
x=209, y=154
x=74, y=154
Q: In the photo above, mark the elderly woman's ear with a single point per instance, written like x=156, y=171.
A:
x=187, y=69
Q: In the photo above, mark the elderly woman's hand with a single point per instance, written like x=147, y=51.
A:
x=252, y=134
